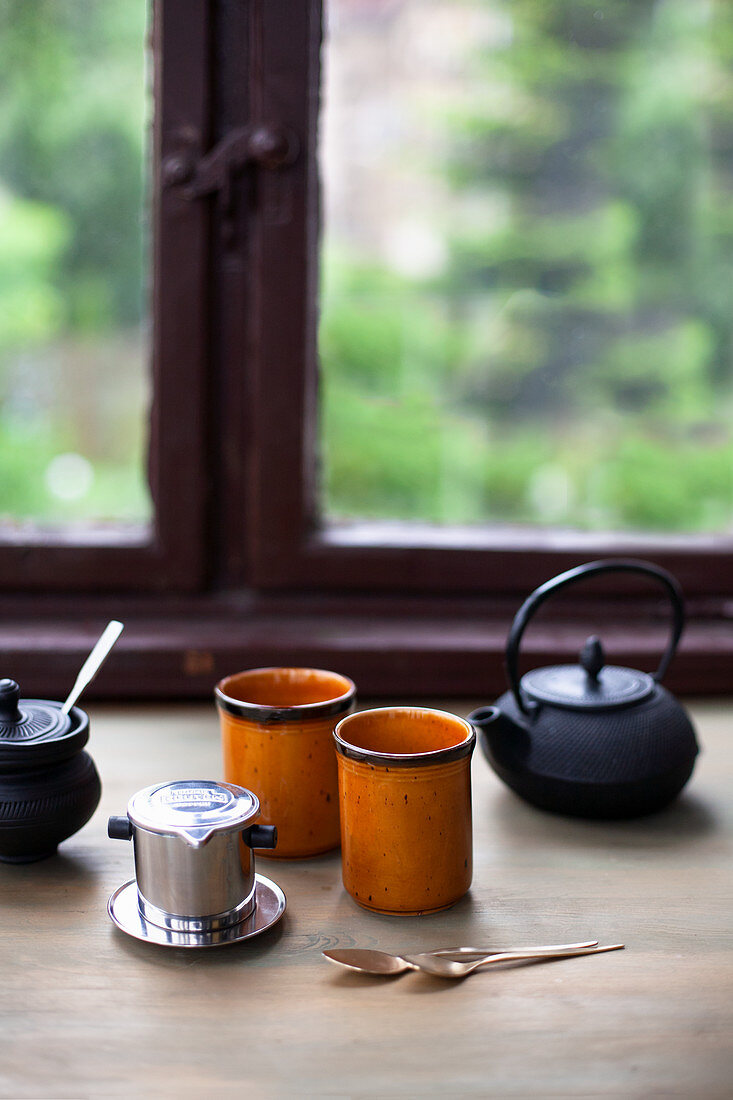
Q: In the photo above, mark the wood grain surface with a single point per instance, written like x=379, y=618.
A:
x=88, y=1012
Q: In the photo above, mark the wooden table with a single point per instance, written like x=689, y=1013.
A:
x=89, y=1012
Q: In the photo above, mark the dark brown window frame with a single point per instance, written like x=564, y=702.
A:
x=238, y=570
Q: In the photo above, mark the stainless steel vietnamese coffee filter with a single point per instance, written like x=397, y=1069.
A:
x=193, y=843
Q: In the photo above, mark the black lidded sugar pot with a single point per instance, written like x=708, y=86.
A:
x=590, y=740
x=49, y=787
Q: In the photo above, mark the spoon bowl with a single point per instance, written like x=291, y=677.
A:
x=366, y=961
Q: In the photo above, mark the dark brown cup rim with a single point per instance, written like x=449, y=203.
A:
x=410, y=759
x=298, y=712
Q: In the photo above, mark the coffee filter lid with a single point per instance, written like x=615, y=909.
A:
x=193, y=809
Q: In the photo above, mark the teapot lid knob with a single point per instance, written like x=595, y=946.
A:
x=592, y=657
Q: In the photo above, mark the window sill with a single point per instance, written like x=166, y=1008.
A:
x=404, y=648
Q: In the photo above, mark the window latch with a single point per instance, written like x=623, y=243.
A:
x=268, y=146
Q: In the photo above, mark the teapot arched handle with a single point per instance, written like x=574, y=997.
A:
x=593, y=568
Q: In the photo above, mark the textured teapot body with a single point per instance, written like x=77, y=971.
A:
x=600, y=764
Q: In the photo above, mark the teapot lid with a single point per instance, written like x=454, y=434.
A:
x=589, y=685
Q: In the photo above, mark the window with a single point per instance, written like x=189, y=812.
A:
x=67, y=73
x=73, y=342
x=522, y=314
x=239, y=567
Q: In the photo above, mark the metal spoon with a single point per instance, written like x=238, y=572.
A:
x=368, y=961
x=93, y=663
x=449, y=968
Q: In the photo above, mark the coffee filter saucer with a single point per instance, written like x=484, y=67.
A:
x=269, y=907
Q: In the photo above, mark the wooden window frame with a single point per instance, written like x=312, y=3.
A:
x=238, y=570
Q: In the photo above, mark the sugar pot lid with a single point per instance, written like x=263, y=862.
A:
x=193, y=809
x=28, y=720
x=36, y=732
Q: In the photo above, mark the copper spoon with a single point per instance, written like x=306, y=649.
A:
x=369, y=961
x=450, y=968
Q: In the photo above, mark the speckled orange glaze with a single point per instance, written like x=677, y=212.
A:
x=406, y=832
x=289, y=763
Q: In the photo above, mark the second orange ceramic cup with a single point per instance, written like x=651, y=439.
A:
x=277, y=739
x=405, y=797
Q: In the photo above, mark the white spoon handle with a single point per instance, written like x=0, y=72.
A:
x=93, y=663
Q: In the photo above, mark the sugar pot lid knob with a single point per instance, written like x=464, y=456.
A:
x=9, y=696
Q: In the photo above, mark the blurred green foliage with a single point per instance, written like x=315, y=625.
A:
x=71, y=141
x=72, y=129
x=573, y=362
x=570, y=364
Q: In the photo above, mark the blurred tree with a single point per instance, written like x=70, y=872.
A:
x=611, y=134
x=589, y=355
x=71, y=134
x=72, y=128
x=579, y=339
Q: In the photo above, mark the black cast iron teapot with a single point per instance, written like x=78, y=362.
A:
x=590, y=740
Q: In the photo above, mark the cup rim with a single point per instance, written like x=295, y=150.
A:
x=405, y=760
x=261, y=712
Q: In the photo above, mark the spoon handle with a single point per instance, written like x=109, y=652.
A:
x=483, y=952
x=93, y=663
x=548, y=953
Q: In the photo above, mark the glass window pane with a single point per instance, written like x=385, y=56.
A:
x=527, y=263
x=73, y=326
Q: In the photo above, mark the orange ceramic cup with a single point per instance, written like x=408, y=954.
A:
x=405, y=801
x=277, y=738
